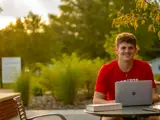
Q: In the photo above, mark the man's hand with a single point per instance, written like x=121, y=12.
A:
x=155, y=96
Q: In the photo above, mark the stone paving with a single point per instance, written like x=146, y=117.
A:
x=68, y=114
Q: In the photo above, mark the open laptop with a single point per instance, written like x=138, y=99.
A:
x=131, y=93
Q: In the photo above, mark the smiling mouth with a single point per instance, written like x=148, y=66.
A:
x=127, y=55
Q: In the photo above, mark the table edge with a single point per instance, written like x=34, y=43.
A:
x=120, y=115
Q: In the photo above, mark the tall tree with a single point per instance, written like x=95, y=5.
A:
x=82, y=26
x=42, y=42
x=143, y=13
x=145, y=19
x=31, y=39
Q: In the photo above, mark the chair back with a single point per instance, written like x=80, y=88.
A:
x=20, y=108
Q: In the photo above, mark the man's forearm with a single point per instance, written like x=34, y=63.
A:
x=101, y=101
x=155, y=96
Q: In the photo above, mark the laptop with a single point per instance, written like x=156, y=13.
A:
x=131, y=93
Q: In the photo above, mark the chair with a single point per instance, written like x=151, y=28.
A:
x=22, y=113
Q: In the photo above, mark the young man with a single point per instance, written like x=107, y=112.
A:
x=124, y=69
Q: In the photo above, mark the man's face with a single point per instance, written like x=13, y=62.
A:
x=126, y=51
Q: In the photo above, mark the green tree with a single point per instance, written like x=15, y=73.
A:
x=143, y=13
x=42, y=40
x=32, y=40
x=144, y=21
x=82, y=26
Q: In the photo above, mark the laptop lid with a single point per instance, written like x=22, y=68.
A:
x=131, y=93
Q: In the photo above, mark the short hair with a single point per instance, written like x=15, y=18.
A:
x=126, y=37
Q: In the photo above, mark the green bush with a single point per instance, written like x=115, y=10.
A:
x=37, y=90
x=8, y=85
x=22, y=85
x=48, y=77
x=89, y=70
x=69, y=79
x=157, y=77
x=68, y=85
x=35, y=87
x=66, y=76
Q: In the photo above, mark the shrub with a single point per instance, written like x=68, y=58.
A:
x=22, y=85
x=35, y=87
x=90, y=69
x=68, y=85
x=69, y=78
x=157, y=77
x=48, y=77
x=66, y=76
x=37, y=90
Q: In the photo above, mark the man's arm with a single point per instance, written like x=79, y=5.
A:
x=155, y=96
x=99, y=98
x=149, y=76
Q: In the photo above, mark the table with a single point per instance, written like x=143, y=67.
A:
x=8, y=108
x=132, y=112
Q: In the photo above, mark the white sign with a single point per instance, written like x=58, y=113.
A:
x=11, y=68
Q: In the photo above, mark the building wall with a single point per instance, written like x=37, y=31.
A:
x=156, y=66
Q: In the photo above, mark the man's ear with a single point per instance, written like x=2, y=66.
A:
x=116, y=50
x=137, y=50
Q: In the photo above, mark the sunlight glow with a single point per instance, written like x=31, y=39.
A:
x=4, y=21
x=34, y=6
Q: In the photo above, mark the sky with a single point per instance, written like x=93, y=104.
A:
x=20, y=8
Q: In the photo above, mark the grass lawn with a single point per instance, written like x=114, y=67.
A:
x=8, y=85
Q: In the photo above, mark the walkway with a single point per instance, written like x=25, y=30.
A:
x=69, y=114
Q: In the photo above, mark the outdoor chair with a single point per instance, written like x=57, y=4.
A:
x=22, y=113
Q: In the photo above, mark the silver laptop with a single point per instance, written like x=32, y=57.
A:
x=131, y=93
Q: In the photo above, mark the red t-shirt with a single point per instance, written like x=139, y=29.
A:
x=110, y=73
